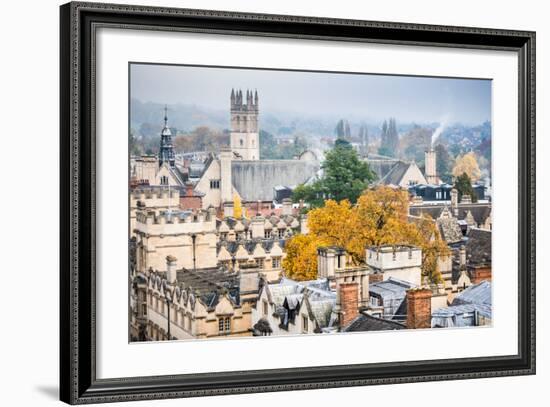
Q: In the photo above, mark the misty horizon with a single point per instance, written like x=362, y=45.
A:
x=359, y=97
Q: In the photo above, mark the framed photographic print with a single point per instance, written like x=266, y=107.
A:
x=256, y=203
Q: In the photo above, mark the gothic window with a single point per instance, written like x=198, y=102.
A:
x=224, y=325
x=163, y=180
x=241, y=142
x=276, y=262
x=267, y=234
x=214, y=184
x=265, y=307
x=304, y=324
x=281, y=233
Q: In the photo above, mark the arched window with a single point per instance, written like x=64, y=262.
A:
x=241, y=142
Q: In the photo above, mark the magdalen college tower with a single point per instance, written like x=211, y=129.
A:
x=245, y=141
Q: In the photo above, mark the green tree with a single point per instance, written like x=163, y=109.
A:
x=443, y=162
x=342, y=130
x=364, y=140
x=463, y=185
x=345, y=177
x=389, y=139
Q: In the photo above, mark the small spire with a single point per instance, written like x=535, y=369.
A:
x=165, y=116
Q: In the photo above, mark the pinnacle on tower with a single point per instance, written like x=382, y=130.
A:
x=166, y=150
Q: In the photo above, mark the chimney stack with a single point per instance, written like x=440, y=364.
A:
x=225, y=157
x=171, y=268
x=188, y=189
x=430, y=164
x=462, y=254
x=454, y=202
x=419, y=308
x=349, y=303
x=287, y=206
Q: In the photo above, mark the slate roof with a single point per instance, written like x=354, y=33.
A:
x=478, y=247
x=393, y=293
x=210, y=284
x=256, y=180
x=249, y=245
x=475, y=300
x=321, y=309
x=395, y=175
x=365, y=322
x=480, y=211
x=476, y=294
x=273, y=219
x=449, y=229
x=178, y=174
x=460, y=315
x=381, y=165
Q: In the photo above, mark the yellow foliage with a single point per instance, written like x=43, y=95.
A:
x=378, y=218
x=467, y=164
x=238, y=210
x=300, y=262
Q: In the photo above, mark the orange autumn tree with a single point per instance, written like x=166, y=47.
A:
x=378, y=218
x=300, y=262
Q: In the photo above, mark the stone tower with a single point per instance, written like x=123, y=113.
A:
x=245, y=140
x=166, y=150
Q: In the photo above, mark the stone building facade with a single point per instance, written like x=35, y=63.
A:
x=402, y=262
x=187, y=304
x=201, y=240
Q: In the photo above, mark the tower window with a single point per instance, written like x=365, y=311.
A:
x=214, y=184
x=163, y=180
x=241, y=142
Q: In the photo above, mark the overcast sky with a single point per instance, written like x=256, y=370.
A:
x=371, y=97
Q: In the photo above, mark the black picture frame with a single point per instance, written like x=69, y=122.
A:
x=78, y=382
